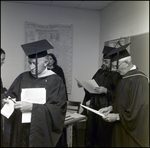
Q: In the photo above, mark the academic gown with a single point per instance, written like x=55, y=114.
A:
x=1, y=115
x=132, y=104
x=3, y=90
x=47, y=119
x=59, y=71
x=98, y=131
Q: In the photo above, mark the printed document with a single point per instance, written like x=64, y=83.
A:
x=93, y=110
x=8, y=109
x=89, y=85
x=32, y=95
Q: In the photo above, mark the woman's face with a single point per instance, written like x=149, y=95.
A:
x=50, y=60
x=2, y=59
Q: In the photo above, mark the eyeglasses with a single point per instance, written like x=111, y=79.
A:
x=115, y=66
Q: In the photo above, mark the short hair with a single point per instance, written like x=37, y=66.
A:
x=54, y=58
x=2, y=51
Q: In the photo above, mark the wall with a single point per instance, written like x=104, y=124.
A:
x=139, y=50
x=122, y=19
x=85, y=39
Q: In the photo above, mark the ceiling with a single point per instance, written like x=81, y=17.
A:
x=92, y=5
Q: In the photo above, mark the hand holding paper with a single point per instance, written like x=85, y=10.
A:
x=106, y=110
x=23, y=106
x=89, y=85
x=8, y=108
x=101, y=89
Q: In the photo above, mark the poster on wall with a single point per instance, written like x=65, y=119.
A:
x=60, y=35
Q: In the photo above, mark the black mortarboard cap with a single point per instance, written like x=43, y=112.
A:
x=38, y=47
x=119, y=53
x=36, y=50
x=106, y=50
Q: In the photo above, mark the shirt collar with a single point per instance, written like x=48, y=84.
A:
x=46, y=73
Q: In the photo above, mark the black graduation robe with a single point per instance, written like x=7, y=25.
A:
x=1, y=115
x=3, y=91
x=59, y=71
x=47, y=119
x=98, y=131
x=1, y=86
x=132, y=104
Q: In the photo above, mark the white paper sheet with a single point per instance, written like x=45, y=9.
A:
x=8, y=109
x=32, y=95
x=89, y=85
x=93, y=110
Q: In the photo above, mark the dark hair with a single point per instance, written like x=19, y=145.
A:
x=54, y=58
x=2, y=51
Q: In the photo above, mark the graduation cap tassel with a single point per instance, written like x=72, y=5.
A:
x=110, y=64
x=36, y=67
x=116, y=44
x=117, y=58
x=36, y=61
x=119, y=43
x=118, y=54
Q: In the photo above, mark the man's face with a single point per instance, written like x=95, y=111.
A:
x=105, y=64
x=2, y=59
x=41, y=64
x=122, y=67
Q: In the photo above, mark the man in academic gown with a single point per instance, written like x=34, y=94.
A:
x=130, y=110
x=3, y=90
x=98, y=131
x=47, y=120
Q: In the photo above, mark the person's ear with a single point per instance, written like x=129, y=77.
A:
x=126, y=63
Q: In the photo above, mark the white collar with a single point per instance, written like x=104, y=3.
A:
x=46, y=73
x=134, y=67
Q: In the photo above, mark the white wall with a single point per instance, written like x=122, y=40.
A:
x=122, y=19
x=85, y=39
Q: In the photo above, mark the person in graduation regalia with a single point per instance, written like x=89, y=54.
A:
x=3, y=91
x=97, y=130
x=130, y=110
x=47, y=120
x=52, y=65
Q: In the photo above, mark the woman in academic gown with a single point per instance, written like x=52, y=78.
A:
x=52, y=65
